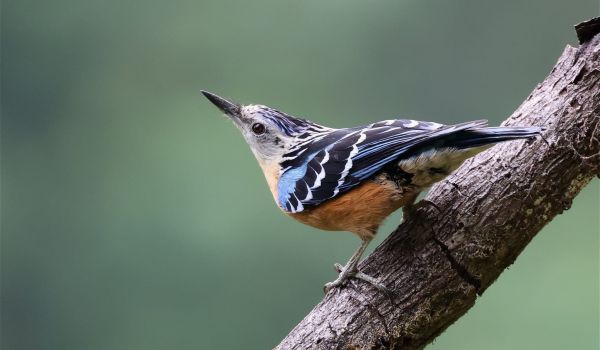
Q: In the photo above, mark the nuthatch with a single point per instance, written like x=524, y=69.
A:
x=351, y=179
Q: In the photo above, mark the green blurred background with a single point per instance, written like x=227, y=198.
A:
x=135, y=217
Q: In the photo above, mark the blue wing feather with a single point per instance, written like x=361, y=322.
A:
x=340, y=160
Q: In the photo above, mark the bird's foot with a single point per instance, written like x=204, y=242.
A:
x=347, y=273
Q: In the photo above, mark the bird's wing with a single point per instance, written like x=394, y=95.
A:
x=333, y=163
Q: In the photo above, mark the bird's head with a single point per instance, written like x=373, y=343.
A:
x=269, y=132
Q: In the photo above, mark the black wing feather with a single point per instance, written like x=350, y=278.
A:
x=344, y=158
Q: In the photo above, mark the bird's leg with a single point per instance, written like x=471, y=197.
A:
x=351, y=270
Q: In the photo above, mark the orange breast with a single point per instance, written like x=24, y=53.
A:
x=360, y=210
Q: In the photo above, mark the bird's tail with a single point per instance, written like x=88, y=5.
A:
x=474, y=134
x=444, y=150
x=481, y=136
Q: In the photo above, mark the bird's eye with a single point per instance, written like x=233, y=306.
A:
x=258, y=128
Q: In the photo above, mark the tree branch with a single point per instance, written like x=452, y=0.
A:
x=474, y=224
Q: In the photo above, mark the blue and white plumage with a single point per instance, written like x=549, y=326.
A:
x=351, y=179
x=336, y=160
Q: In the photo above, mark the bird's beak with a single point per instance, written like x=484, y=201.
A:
x=229, y=108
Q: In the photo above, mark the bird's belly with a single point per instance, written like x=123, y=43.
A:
x=360, y=210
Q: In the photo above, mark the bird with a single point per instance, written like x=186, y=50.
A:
x=351, y=179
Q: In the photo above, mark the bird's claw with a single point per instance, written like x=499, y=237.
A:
x=347, y=274
x=338, y=267
x=330, y=285
x=372, y=281
x=344, y=274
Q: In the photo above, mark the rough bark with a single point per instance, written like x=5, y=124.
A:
x=474, y=224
